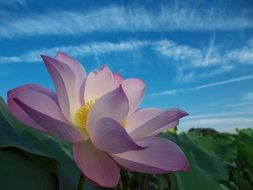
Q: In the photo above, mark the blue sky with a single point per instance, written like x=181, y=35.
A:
x=195, y=55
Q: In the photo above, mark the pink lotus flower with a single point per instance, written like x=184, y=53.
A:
x=99, y=114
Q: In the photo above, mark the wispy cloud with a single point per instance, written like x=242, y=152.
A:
x=111, y=19
x=179, y=52
x=191, y=63
x=242, y=55
x=193, y=57
x=196, y=63
x=81, y=50
x=220, y=83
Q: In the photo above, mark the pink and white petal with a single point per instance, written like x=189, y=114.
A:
x=140, y=117
x=68, y=84
x=117, y=80
x=109, y=136
x=71, y=62
x=40, y=111
x=157, y=122
x=77, y=67
x=19, y=112
x=95, y=164
x=98, y=83
x=171, y=125
x=160, y=156
x=135, y=90
x=113, y=105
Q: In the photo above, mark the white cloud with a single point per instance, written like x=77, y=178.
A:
x=77, y=51
x=113, y=19
x=242, y=55
x=191, y=63
x=178, y=52
x=219, y=83
x=192, y=56
x=194, y=63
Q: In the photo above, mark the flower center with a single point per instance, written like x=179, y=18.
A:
x=80, y=117
x=124, y=123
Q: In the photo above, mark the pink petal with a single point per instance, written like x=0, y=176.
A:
x=108, y=135
x=117, y=80
x=95, y=164
x=18, y=112
x=76, y=67
x=156, y=123
x=134, y=89
x=113, y=105
x=68, y=79
x=98, y=83
x=140, y=117
x=41, y=112
x=160, y=156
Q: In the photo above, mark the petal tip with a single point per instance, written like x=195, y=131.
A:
x=104, y=67
x=184, y=113
x=187, y=166
x=46, y=58
x=181, y=112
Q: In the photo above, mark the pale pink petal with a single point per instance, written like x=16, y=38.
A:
x=98, y=83
x=117, y=80
x=95, y=164
x=18, y=112
x=156, y=123
x=71, y=62
x=68, y=83
x=140, y=117
x=41, y=112
x=77, y=68
x=134, y=89
x=160, y=156
x=109, y=136
x=113, y=105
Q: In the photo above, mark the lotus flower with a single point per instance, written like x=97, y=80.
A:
x=99, y=114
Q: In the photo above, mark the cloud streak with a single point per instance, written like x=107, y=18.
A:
x=214, y=84
x=82, y=50
x=114, y=19
x=198, y=63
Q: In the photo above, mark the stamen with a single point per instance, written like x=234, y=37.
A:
x=80, y=117
x=124, y=123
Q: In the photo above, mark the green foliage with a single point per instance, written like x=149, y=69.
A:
x=43, y=151
x=33, y=160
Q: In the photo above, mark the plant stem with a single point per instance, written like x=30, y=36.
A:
x=81, y=183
